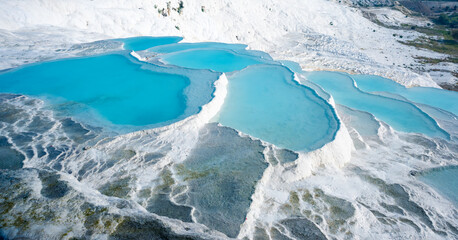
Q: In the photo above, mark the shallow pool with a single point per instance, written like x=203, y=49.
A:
x=177, y=47
x=113, y=86
x=447, y=100
x=401, y=115
x=221, y=60
x=264, y=101
x=143, y=43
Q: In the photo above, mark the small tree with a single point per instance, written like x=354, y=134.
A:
x=168, y=8
x=454, y=34
x=180, y=7
x=443, y=19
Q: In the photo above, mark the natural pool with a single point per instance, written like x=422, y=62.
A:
x=169, y=48
x=114, y=86
x=447, y=100
x=263, y=102
x=401, y=115
x=142, y=43
x=221, y=60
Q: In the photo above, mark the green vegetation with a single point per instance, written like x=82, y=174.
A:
x=437, y=60
x=167, y=180
x=441, y=37
x=438, y=38
x=180, y=7
x=168, y=7
x=118, y=188
x=293, y=198
x=449, y=47
x=166, y=11
x=162, y=12
x=454, y=33
x=450, y=21
x=188, y=174
x=308, y=198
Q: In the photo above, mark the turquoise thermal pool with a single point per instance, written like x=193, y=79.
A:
x=221, y=60
x=169, y=48
x=401, y=115
x=262, y=101
x=115, y=86
x=447, y=100
x=142, y=43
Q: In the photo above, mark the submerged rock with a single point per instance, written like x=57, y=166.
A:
x=221, y=173
x=302, y=228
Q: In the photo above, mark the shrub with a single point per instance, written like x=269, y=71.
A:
x=443, y=19
x=180, y=7
x=454, y=33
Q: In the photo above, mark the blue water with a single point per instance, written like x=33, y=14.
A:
x=240, y=49
x=188, y=46
x=220, y=60
x=447, y=100
x=143, y=43
x=444, y=180
x=264, y=101
x=399, y=114
x=115, y=86
x=293, y=66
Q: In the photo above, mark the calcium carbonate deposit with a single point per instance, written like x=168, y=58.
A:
x=112, y=127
